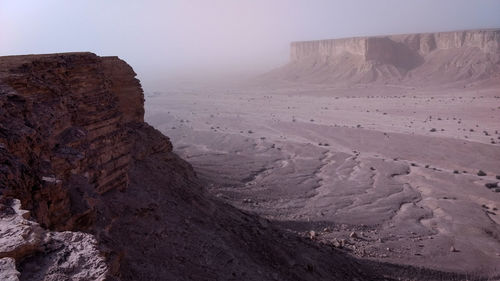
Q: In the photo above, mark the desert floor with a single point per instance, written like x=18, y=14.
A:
x=386, y=173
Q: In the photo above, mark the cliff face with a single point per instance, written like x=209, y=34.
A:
x=378, y=48
x=446, y=57
x=68, y=128
x=63, y=125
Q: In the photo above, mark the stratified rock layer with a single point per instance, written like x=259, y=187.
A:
x=63, y=127
x=67, y=127
x=428, y=58
x=381, y=48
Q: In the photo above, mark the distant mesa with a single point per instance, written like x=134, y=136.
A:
x=435, y=58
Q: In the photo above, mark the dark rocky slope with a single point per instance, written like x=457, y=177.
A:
x=110, y=200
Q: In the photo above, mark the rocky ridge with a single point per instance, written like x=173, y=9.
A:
x=430, y=58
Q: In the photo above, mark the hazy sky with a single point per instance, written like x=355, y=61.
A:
x=171, y=38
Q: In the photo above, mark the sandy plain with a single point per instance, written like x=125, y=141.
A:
x=386, y=173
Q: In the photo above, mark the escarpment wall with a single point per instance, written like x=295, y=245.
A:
x=421, y=60
x=64, y=122
x=326, y=48
x=126, y=88
x=423, y=43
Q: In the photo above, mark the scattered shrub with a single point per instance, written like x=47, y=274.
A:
x=491, y=185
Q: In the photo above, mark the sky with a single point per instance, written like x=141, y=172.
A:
x=170, y=39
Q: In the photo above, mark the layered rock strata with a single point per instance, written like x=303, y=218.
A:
x=418, y=59
x=382, y=47
x=63, y=130
x=67, y=128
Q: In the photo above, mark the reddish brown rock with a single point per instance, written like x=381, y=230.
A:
x=64, y=125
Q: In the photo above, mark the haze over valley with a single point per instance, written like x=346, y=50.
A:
x=250, y=140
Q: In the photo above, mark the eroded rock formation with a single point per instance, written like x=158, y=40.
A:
x=46, y=255
x=446, y=57
x=63, y=126
x=69, y=125
x=380, y=48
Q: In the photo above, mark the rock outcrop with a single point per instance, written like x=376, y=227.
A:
x=64, y=130
x=46, y=255
x=379, y=48
x=431, y=58
x=67, y=128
